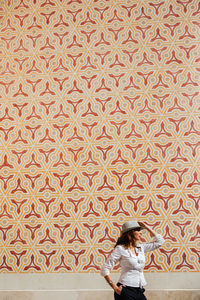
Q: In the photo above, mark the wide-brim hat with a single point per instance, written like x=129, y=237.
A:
x=130, y=225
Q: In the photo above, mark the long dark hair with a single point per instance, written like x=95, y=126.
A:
x=127, y=239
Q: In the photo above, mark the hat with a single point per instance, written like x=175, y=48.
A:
x=130, y=225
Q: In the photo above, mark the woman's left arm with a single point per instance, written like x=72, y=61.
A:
x=159, y=240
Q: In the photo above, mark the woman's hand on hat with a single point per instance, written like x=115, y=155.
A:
x=152, y=232
x=142, y=224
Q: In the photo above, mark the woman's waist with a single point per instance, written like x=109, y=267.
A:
x=131, y=274
x=133, y=284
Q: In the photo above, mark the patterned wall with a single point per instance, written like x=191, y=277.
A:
x=99, y=123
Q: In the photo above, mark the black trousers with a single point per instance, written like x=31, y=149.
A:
x=130, y=293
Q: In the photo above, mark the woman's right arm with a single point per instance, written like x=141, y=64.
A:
x=108, y=266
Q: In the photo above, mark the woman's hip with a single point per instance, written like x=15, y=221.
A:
x=130, y=293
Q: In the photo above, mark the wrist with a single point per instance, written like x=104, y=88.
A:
x=152, y=232
x=113, y=285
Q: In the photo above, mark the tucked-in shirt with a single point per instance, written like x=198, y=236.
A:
x=132, y=265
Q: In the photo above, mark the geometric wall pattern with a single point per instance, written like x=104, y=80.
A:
x=99, y=123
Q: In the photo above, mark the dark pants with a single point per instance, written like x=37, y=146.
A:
x=130, y=293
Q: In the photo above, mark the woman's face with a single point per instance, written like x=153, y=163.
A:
x=137, y=235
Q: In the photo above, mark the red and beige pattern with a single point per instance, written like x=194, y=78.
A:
x=99, y=123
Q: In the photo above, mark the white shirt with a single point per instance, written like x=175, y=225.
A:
x=132, y=265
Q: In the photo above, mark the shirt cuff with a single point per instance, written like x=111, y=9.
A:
x=104, y=272
x=159, y=238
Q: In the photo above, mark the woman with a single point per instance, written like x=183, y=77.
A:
x=129, y=252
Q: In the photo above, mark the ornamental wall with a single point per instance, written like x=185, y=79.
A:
x=99, y=124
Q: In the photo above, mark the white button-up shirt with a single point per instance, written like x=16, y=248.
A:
x=132, y=265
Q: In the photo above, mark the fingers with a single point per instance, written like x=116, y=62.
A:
x=141, y=224
x=119, y=289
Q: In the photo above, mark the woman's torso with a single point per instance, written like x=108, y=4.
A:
x=132, y=265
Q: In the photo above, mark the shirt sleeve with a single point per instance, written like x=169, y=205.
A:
x=113, y=258
x=159, y=240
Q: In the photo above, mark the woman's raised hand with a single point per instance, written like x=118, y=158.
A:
x=152, y=232
x=142, y=224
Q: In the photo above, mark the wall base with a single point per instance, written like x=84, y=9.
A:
x=96, y=295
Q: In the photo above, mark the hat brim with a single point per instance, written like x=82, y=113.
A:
x=132, y=228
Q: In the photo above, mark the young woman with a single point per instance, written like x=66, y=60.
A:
x=129, y=252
